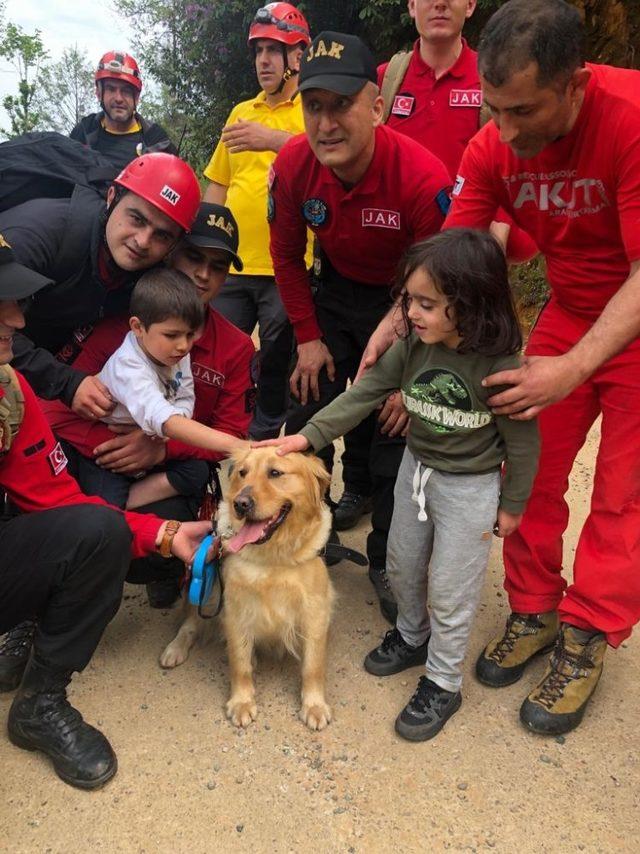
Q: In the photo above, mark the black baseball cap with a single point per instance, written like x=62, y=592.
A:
x=338, y=62
x=215, y=228
x=16, y=280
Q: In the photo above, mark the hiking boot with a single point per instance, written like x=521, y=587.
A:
x=14, y=654
x=380, y=580
x=41, y=718
x=350, y=509
x=504, y=659
x=394, y=655
x=163, y=592
x=427, y=711
x=557, y=704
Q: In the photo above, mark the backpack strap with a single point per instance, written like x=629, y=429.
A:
x=78, y=232
x=11, y=407
x=392, y=80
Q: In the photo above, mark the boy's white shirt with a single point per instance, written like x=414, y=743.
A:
x=147, y=394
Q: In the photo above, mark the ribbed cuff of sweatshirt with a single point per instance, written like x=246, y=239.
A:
x=314, y=437
x=511, y=505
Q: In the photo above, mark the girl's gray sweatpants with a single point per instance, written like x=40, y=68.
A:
x=437, y=555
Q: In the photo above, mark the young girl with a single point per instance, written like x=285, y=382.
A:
x=450, y=494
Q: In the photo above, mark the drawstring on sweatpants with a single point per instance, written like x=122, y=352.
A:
x=419, y=483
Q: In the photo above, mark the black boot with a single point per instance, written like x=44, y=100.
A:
x=14, y=654
x=41, y=718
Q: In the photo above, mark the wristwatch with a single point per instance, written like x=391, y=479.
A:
x=170, y=531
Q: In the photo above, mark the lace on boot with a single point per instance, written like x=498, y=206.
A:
x=18, y=640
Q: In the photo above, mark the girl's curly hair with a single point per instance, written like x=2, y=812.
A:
x=470, y=269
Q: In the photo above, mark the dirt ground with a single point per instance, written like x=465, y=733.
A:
x=189, y=782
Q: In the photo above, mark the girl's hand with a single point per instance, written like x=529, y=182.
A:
x=507, y=523
x=284, y=445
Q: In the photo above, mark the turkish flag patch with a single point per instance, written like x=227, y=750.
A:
x=57, y=460
x=403, y=105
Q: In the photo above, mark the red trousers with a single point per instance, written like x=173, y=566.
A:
x=605, y=593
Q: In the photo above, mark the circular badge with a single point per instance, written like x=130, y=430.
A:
x=315, y=211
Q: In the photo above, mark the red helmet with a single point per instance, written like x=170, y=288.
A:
x=115, y=65
x=167, y=183
x=281, y=22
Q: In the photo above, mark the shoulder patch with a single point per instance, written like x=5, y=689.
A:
x=57, y=460
x=315, y=211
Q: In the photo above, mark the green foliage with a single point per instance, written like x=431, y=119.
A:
x=26, y=53
x=66, y=91
x=530, y=290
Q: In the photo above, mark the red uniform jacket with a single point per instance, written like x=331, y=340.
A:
x=34, y=475
x=443, y=115
x=221, y=363
x=402, y=197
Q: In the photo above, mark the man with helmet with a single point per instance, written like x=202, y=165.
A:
x=119, y=132
x=255, y=131
x=94, y=253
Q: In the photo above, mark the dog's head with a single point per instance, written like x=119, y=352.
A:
x=277, y=501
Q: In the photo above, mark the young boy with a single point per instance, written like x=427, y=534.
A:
x=149, y=377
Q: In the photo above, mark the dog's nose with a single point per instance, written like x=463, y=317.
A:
x=243, y=503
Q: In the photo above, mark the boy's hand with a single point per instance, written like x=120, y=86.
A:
x=507, y=523
x=284, y=445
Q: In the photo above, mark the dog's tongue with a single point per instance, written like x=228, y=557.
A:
x=249, y=533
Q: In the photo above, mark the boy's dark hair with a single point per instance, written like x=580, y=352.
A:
x=469, y=268
x=547, y=32
x=162, y=294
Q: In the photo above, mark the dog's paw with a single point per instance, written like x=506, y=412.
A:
x=241, y=713
x=174, y=654
x=316, y=715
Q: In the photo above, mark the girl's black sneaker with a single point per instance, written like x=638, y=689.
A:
x=427, y=711
x=394, y=655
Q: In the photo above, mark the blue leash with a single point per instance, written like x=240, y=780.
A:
x=204, y=574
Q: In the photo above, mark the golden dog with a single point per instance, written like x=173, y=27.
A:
x=277, y=590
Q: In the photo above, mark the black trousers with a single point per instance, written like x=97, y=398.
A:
x=386, y=456
x=193, y=474
x=66, y=568
x=347, y=313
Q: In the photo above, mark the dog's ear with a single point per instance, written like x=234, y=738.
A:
x=320, y=475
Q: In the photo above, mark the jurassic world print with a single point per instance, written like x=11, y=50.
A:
x=443, y=402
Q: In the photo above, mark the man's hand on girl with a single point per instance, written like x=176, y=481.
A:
x=285, y=444
x=507, y=523
x=540, y=381
x=393, y=417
